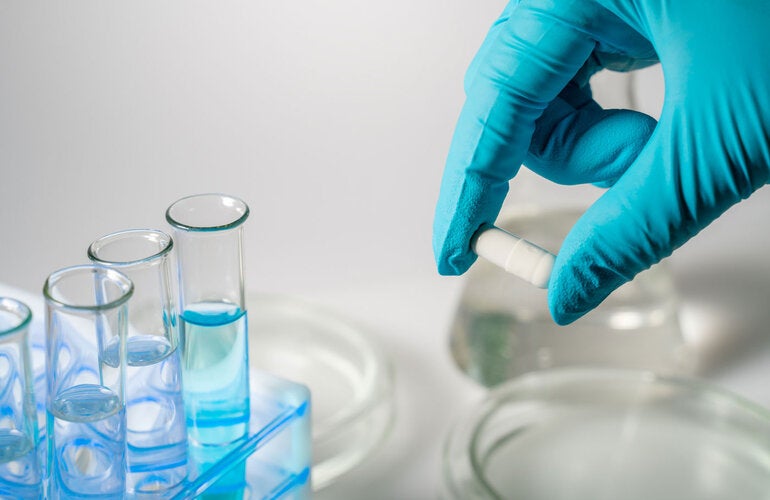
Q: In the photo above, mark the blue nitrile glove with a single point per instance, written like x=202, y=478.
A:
x=528, y=102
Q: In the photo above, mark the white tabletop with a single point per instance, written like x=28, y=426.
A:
x=723, y=278
x=332, y=120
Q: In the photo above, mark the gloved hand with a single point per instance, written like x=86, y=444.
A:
x=528, y=101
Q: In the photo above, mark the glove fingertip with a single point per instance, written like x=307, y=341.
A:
x=578, y=284
x=564, y=297
x=449, y=260
x=455, y=265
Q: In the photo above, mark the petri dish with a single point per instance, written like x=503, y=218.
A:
x=502, y=327
x=605, y=434
x=349, y=377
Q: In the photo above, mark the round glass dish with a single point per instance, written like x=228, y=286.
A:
x=349, y=378
x=606, y=434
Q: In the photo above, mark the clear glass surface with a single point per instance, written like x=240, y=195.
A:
x=575, y=434
x=86, y=319
x=213, y=328
x=502, y=327
x=156, y=429
x=19, y=468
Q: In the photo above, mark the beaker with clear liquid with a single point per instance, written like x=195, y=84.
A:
x=502, y=326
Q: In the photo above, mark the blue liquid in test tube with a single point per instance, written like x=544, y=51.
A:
x=213, y=335
x=216, y=372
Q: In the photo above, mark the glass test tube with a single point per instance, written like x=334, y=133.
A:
x=19, y=467
x=215, y=368
x=87, y=307
x=156, y=433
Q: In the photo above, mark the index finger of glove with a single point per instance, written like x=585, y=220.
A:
x=530, y=55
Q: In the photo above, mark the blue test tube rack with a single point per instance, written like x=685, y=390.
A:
x=276, y=453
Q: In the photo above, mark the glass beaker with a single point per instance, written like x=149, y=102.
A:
x=86, y=311
x=19, y=468
x=502, y=327
x=156, y=433
x=208, y=232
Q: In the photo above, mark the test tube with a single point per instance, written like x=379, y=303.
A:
x=514, y=254
x=19, y=468
x=156, y=434
x=87, y=307
x=208, y=231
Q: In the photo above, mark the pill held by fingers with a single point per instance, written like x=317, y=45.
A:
x=514, y=254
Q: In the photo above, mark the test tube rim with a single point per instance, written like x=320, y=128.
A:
x=55, y=276
x=25, y=319
x=92, y=251
x=189, y=227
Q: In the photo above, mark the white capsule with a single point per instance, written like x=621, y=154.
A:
x=516, y=255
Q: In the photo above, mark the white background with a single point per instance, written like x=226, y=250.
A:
x=332, y=120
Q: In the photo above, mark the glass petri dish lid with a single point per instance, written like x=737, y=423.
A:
x=349, y=377
x=605, y=434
